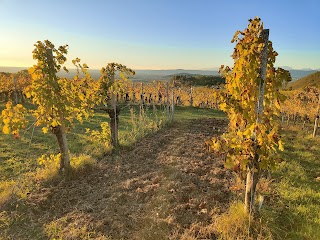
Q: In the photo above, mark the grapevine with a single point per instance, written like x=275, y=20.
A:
x=249, y=144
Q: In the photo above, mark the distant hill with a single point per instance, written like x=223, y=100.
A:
x=149, y=75
x=167, y=74
x=297, y=74
x=12, y=69
x=309, y=80
x=141, y=75
x=286, y=67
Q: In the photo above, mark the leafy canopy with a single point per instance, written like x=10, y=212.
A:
x=59, y=100
x=246, y=136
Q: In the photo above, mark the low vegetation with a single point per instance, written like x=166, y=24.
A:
x=311, y=80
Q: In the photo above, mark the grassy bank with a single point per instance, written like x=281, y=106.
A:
x=293, y=210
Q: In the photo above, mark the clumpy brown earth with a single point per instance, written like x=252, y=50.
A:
x=167, y=186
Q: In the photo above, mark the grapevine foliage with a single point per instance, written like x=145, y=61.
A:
x=248, y=138
x=13, y=118
x=303, y=103
x=107, y=80
x=60, y=100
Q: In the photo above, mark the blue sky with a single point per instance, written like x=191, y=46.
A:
x=157, y=34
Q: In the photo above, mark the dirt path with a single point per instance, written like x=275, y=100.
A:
x=166, y=186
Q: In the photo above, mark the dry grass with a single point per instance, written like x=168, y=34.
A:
x=165, y=186
x=6, y=188
x=238, y=224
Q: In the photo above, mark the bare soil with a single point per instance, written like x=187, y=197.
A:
x=166, y=186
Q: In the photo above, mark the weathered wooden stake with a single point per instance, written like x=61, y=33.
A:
x=15, y=90
x=114, y=106
x=142, y=95
x=191, y=97
x=172, y=107
x=316, y=121
x=315, y=127
x=168, y=102
x=133, y=93
x=253, y=170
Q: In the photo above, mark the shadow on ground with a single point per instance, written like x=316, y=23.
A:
x=159, y=189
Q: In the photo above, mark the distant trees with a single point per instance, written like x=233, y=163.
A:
x=197, y=80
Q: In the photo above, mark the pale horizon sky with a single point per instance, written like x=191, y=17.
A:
x=164, y=34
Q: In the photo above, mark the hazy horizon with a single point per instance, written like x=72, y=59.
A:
x=171, y=69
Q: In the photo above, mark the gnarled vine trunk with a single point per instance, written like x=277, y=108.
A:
x=60, y=133
x=253, y=175
x=114, y=123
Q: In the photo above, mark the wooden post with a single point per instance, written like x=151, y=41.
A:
x=141, y=101
x=253, y=170
x=316, y=121
x=114, y=106
x=303, y=124
x=133, y=93
x=263, y=73
x=15, y=90
x=168, y=102
x=154, y=100
x=315, y=127
x=142, y=95
x=191, y=97
x=217, y=105
x=172, y=106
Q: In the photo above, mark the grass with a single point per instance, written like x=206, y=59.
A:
x=237, y=223
x=291, y=209
x=20, y=156
x=294, y=207
x=292, y=195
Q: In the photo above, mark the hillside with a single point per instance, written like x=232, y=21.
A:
x=309, y=80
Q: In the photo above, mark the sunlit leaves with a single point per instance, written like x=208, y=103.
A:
x=246, y=137
x=107, y=83
x=13, y=118
x=59, y=100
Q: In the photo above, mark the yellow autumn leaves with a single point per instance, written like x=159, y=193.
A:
x=246, y=137
x=13, y=118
